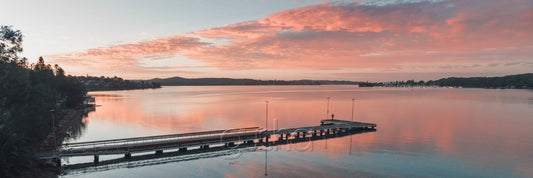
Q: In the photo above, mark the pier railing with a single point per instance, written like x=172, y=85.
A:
x=156, y=139
x=150, y=139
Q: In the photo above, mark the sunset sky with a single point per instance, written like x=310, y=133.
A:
x=286, y=39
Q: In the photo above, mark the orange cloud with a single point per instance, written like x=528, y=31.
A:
x=395, y=36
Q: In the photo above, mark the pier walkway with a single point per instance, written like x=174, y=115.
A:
x=203, y=140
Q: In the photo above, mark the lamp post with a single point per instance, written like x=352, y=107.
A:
x=353, y=103
x=54, y=130
x=266, y=118
x=327, y=110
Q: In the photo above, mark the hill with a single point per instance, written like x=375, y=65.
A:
x=519, y=81
x=509, y=81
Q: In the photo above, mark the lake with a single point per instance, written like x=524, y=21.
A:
x=436, y=132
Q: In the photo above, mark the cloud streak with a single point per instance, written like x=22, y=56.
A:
x=355, y=36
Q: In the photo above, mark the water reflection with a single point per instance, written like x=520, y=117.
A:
x=450, y=132
x=78, y=126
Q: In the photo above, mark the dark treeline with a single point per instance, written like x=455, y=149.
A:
x=520, y=81
x=229, y=81
x=114, y=83
x=408, y=83
x=30, y=95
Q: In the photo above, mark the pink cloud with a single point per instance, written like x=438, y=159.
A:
x=123, y=59
x=354, y=36
x=172, y=45
x=340, y=35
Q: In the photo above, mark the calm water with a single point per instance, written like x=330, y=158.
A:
x=422, y=132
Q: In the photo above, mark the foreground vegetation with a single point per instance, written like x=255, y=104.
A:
x=30, y=96
x=520, y=81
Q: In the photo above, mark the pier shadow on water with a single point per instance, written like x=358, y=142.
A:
x=150, y=159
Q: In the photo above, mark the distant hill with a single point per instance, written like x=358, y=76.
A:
x=509, y=81
x=179, y=81
x=519, y=81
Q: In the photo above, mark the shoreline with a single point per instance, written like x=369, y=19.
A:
x=65, y=124
x=45, y=168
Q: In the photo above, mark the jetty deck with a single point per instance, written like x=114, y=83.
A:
x=170, y=156
x=184, y=141
x=339, y=122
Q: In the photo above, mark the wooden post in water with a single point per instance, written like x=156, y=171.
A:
x=96, y=159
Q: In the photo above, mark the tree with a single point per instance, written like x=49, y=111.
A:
x=59, y=71
x=40, y=65
x=27, y=94
x=10, y=44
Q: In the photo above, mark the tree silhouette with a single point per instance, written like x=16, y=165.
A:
x=27, y=94
x=10, y=44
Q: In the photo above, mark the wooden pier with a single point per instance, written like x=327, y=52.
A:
x=173, y=156
x=204, y=140
x=340, y=122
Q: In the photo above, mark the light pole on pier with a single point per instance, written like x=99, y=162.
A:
x=327, y=110
x=353, y=103
x=266, y=118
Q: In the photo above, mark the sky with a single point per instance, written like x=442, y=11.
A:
x=362, y=40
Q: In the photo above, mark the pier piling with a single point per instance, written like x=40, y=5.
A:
x=96, y=159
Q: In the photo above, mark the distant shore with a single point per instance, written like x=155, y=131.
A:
x=102, y=83
x=520, y=81
x=179, y=81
